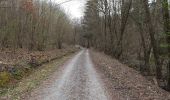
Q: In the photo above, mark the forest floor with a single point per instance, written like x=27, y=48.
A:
x=88, y=75
x=128, y=83
x=24, y=56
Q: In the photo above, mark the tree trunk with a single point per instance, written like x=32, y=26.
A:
x=124, y=18
x=146, y=50
x=166, y=20
x=153, y=40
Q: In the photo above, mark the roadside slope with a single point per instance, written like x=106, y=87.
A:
x=125, y=81
x=34, y=78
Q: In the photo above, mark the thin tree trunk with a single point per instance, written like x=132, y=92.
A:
x=125, y=15
x=153, y=40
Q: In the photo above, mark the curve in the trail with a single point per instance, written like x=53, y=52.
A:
x=78, y=81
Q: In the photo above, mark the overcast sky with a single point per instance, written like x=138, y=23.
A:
x=74, y=7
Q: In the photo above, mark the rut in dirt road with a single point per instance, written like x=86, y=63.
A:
x=78, y=81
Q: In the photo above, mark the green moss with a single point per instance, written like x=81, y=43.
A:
x=4, y=78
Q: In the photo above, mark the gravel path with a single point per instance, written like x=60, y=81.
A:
x=77, y=80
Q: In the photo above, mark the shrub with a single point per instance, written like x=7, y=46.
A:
x=17, y=74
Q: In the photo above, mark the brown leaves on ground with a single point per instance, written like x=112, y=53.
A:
x=23, y=56
x=127, y=82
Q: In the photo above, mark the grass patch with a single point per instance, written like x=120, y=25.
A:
x=4, y=78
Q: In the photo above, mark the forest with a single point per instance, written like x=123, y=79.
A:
x=32, y=32
x=31, y=23
x=113, y=38
x=137, y=32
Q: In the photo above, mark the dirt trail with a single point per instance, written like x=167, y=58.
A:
x=78, y=80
